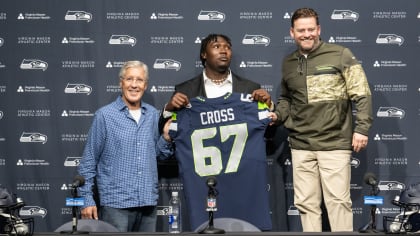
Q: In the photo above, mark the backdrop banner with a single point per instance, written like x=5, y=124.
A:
x=59, y=62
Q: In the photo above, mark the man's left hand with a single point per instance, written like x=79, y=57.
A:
x=359, y=142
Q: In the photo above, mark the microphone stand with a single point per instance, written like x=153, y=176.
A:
x=74, y=214
x=211, y=207
x=371, y=226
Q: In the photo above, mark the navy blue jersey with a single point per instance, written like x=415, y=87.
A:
x=224, y=137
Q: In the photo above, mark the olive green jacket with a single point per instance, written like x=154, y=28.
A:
x=318, y=93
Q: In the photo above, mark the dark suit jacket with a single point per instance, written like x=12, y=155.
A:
x=195, y=86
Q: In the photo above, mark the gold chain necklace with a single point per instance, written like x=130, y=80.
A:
x=220, y=81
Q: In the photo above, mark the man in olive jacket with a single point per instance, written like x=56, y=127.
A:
x=320, y=82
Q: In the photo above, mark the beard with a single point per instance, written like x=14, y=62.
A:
x=307, y=49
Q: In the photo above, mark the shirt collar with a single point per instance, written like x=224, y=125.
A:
x=122, y=106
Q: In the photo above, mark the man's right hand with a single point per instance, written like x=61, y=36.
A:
x=178, y=101
x=90, y=212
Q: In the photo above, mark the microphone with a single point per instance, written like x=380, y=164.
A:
x=78, y=181
x=370, y=179
x=211, y=182
x=212, y=193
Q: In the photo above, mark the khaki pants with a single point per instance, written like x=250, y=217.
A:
x=324, y=175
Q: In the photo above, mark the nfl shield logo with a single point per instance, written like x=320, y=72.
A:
x=211, y=202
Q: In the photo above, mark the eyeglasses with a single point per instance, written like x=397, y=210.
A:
x=134, y=80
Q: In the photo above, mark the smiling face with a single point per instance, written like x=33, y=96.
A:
x=306, y=33
x=218, y=55
x=133, y=84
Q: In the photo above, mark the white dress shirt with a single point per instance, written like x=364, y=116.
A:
x=214, y=90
